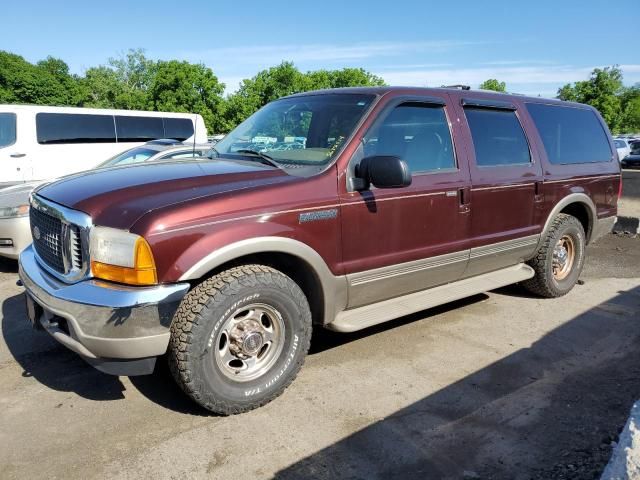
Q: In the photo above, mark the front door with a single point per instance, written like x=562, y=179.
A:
x=13, y=161
x=506, y=185
x=401, y=240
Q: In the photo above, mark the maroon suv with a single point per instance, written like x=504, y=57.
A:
x=338, y=209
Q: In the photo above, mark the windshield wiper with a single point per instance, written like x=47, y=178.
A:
x=264, y=158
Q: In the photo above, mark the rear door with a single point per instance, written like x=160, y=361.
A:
x=506, y=184
x=401, y=240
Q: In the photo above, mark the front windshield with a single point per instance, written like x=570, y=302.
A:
x=305, y=130
x=133, y=155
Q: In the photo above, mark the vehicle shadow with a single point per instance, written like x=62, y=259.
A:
x=323, y=339
x=49, y=363
x=8, y=266
x=160, y=388
x=548, y=411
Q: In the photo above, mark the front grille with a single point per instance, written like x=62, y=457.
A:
x=60, y=239
x=76, y=247
x=48, y=238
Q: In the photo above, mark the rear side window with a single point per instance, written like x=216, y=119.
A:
x=620, y=144
x=570, y=135
x=417, y=133
x=178, y=128
x=139, y=129
x=7, y=129
x=55, y=128
x=498, y=138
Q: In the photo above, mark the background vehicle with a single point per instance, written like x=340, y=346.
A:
x=14, y=200
x=631, y=161
x=39, y=142
x=622, y=146
x=399, y=200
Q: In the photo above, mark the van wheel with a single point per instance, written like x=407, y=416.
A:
x=239, y=338
x=559, y=261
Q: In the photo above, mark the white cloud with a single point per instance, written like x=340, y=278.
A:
x=518, y=62
x=530, y=79
x=273, y=54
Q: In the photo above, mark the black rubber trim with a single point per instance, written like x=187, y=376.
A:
x=487, y=103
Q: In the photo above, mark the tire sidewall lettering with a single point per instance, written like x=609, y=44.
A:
x=273, y=380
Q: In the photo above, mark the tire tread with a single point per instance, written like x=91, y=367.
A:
x=188, y=317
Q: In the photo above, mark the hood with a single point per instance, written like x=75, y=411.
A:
x=117, y=197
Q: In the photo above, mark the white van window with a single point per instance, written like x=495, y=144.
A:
x=138, y=129
x=7, y=129
x=178, y=128
x=74, y=128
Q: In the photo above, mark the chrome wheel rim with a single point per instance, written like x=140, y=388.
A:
x=249, y=342
x=563, y=257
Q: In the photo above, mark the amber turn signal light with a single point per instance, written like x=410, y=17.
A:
x=143, y=271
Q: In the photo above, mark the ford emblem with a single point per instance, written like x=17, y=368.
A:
x=36, y=233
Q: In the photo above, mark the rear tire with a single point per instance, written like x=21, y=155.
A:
x=559, y=260
x=239, y=338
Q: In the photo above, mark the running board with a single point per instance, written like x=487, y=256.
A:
x=363, y=317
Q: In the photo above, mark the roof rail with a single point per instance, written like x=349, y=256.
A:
x=460, y=86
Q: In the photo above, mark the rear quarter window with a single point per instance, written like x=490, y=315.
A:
x=570, y=135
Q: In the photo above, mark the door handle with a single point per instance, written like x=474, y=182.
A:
x=18, y=155
x=464, y=196
x=538, y=193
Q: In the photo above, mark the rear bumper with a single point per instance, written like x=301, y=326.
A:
x=116, y=328
x=17, y=231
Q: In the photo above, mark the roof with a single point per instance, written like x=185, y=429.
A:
x=379, y=91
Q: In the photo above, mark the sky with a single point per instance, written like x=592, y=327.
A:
x=535, y=47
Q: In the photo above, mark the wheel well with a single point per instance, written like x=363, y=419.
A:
x=294, y=267
x=582, y=213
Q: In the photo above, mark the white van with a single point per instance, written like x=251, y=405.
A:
x=39, y=142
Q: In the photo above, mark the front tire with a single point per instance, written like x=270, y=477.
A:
x=559, y=261
x=239, y=338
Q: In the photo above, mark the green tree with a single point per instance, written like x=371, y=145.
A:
x=286, y=79
x=630, y=100
x=101, y=88
x=493, y=84
x=347, y=77
x=186, y=87
x=603, y=90
x=47, y=83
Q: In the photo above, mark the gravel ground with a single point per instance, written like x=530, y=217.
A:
x=498, y=386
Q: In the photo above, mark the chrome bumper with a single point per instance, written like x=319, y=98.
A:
x=103, y=320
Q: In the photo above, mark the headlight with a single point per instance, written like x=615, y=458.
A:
x=121, y=257
x=12, y=212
